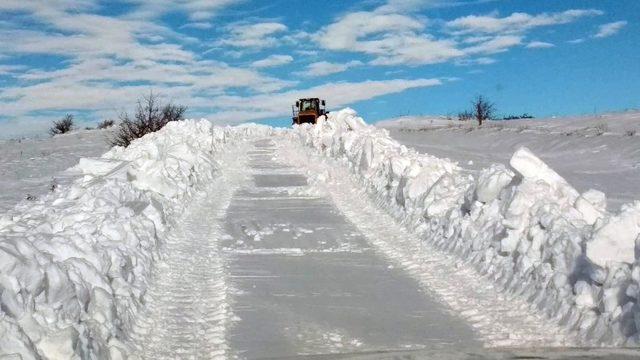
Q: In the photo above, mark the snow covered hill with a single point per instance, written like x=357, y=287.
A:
x=600, y=152
x=30, y=167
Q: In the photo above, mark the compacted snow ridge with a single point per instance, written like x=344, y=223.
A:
x=522, y=225
x=186, y=310
x=500, y=319
x=75, y=266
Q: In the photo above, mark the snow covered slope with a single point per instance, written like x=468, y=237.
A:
x=522, y=225
x=600, y=152
x=74, y=265
x=29, y=167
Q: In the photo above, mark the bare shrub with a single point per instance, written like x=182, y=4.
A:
x=601, y=129
x=62, y=126
x=150, y=116
x=630, y=132
x=107, y=123
x=516, y=117
x=53, y=185
x=465, y=115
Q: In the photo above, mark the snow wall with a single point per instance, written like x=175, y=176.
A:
x=74, y=267
x=523, y=225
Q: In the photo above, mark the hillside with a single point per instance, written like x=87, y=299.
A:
x=600, y=152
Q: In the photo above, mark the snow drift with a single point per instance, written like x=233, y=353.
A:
x=74, y=267
x=523, y=226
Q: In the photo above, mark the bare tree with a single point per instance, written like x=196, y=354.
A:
x=483, y=109
x=150, y=116
x=62, y=126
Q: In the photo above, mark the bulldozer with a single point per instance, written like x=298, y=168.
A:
x=308, y=110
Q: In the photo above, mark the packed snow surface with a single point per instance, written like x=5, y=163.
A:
x=132, y=257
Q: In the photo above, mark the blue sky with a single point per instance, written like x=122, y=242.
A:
x=234, y=61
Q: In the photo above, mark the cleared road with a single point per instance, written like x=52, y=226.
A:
x=305, y=281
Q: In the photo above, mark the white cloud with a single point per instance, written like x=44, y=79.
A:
x=337, y=94
x=197, y=10
x=539, y=45
x=610, y=29
x=392, y=38
x=110, y=62
x=476, y=61
x=272, y=60
x=322, y=68
x=413, y=5
x=516, y=22
x=11, y=69
x=197, y=25
x=258, y=35
x=495, y=45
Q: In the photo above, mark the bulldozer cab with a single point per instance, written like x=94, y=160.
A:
x=308, y=110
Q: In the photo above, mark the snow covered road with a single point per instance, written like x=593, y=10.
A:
x=275, y=261
x=306, y=281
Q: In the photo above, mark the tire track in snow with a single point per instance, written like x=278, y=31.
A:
x=187, y=310
x=500, y=319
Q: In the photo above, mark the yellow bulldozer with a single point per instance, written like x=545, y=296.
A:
x=308, y=110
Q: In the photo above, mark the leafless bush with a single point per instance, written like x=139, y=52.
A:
x=53, y=185
x=630, y=132
x=107, y=123
x=150, y=116
x=516, y=117
x=465, y=115
x=601, y=129
x=62, y=126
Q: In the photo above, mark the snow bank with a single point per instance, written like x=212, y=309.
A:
x=523, y=226
x=74, y=267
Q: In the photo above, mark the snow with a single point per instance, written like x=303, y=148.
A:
x=112, y=261
x=600, y=152
x=497, y=319
x=525, y=227
x=75, y=264
x=615, y=238
x=33, y=166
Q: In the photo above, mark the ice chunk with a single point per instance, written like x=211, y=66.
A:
x=97, y=166
x=531, y=167
x=491, y=181
x=592, y=205
x=615, y=239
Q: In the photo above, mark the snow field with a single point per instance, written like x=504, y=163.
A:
x=75, y=266
x=523, y=226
